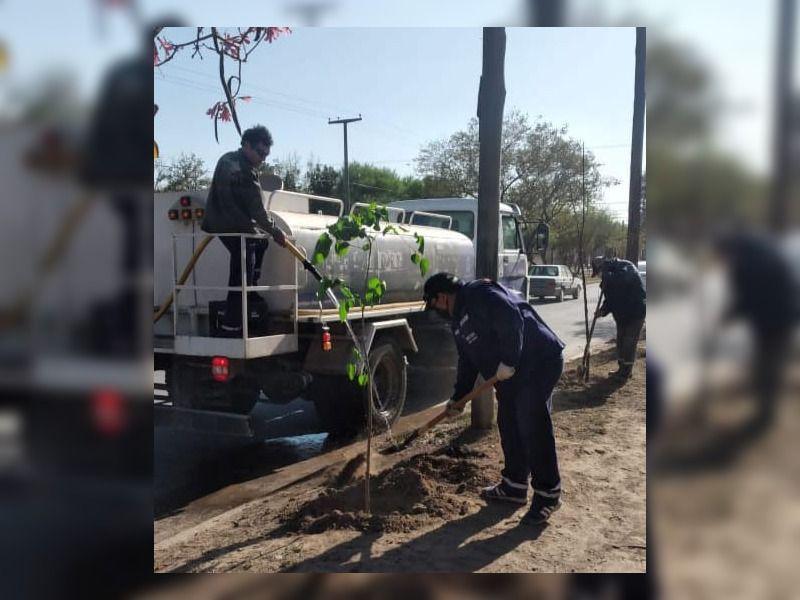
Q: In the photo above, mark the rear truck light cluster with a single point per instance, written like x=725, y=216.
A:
x=220, y=368
x=109, y=412
x=327, y=345
x=185, y=213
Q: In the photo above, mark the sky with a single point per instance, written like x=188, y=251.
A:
x=740, y=55
x=411, y=86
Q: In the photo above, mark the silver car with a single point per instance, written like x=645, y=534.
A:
x=553, y=281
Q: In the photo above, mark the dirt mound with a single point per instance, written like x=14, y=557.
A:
x=403, y=498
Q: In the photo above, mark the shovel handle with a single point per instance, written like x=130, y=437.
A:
x=460, y=404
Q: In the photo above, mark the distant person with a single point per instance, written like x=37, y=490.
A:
x=765, y=295
x=235, y=205
x=497, y=333
x=625, y=299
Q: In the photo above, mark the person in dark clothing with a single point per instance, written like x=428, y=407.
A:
x=235, y=205
x=765, y=295
x=625, y=300
x=497, y=333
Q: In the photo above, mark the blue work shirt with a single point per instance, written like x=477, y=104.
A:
x=492, y=325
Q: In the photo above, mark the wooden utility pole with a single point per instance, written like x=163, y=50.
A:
x=783, y=127
x=344, y=123
x=637, y=143
x=491, y=100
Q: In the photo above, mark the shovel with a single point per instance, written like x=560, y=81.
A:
x=427, y=426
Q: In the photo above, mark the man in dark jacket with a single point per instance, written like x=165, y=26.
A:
x=765, y=296
x=497, y=333
x=625, y=300
x=235, y=205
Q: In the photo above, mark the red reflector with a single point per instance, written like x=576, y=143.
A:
x=220, y=368
x=327, y=345
x=198, y=213
x=173, y=215
x=186, y=214
x=109, y=414
x=186, y=201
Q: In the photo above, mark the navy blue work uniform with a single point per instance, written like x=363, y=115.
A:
x=491, y=325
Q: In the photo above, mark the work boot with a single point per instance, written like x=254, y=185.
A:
x=504, y=493
x=623, y=373
x=541, y=509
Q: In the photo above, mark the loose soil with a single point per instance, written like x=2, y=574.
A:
x=426, y=511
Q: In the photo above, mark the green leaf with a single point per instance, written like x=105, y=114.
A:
x=342, y=312
x=370, y=297
x=322, y=248
x=415, y=258
x=362, y=379
x=342, y=248
x=373, y=283
x=424, y=265
x=421, y=244
x=351, y=371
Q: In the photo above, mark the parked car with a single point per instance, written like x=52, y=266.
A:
x=552, y=280
x=642, y=266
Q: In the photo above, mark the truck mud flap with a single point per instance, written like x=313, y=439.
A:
x=218, y=423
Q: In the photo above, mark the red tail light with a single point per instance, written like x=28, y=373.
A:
x=173, y=215
x=198, y=213
x=327, y=345
x=220, y=368
x=186, y=214
x=109, y=413
x=186, y=201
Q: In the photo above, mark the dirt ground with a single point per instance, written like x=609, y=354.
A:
x=426, y=512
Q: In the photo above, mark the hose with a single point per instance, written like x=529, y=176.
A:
x=184, y=276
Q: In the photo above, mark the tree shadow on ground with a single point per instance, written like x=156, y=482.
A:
x=435, y=551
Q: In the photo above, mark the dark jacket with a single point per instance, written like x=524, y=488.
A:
x=492, y=325
x=625, y=297
x=764, y=289
x=234, y=199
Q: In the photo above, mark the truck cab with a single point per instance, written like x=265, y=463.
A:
x=463, y=217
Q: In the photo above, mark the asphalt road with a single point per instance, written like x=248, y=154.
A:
x=190, y=465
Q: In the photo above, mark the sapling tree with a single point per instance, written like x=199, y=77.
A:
x=360, y=229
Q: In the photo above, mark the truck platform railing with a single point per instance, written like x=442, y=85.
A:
x=233, y=347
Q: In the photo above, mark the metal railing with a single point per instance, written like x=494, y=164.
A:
x=243, y=288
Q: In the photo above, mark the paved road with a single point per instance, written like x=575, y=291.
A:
x=567, y=320
x=190, y=465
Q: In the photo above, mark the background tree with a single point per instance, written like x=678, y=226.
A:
x=322, y=180
x=187, y=172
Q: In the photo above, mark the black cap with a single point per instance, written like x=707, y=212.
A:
x=440, y=283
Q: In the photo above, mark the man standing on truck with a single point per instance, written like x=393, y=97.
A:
x=498, y=334
x=625, y=300
x=234, y=205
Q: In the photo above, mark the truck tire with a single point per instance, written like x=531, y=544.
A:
x=560, y=295
x=340, y=402
x=389, y=378
x=577, y=293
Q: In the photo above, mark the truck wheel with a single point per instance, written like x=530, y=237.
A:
x=388, y=375
x=340, y=403
x=560, y=295
x=577, y=293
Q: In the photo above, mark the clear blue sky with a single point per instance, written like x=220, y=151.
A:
x=411, y=86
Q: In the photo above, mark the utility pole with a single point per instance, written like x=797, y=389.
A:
x=344, y=122
x=491, y=100
x=784, y=122
x=637, y=142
